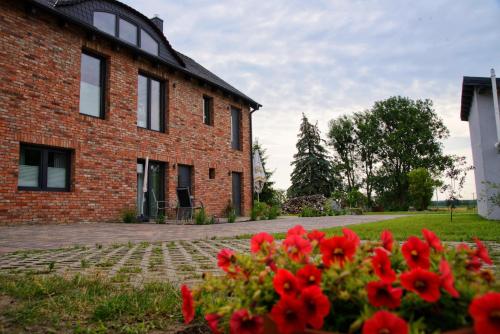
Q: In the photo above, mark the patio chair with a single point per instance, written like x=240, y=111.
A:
x=186, y=206
x=160, y=205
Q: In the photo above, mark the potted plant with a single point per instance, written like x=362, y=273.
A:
x=313, y=284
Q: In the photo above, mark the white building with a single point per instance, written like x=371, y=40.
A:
x=480, y=109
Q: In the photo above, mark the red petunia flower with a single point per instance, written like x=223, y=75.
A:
x=187, y=304
x=308, y=275
x=387, y=240
x=316, y=235
x=416, y=252
x=337, y=250
x=213, y=322
x=289, y=316
x=297, y=247
x=424, y=283
x=464, y=248
x=382, y=266
x=473, y=263
x=482, y=252
x=296, y=230
x=259, y=240
x=386, y=323
x=285, y=283
x=432, y=240
x=242, y=322
x=351, y=235
x=224, y=259
x=485, y=311
x=447, y=281
x=315, y=306
x=382, y=294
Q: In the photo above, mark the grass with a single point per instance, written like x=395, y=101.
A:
x=43, y=304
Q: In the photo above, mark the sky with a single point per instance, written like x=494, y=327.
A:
x=329, y=58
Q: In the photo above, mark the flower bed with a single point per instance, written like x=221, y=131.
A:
x=340, y=285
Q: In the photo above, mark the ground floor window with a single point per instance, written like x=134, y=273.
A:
x=44, y=168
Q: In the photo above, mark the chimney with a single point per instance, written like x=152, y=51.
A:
x=158, y=22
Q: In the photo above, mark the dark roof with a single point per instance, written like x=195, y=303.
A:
x=80, y=12
x=468, y=85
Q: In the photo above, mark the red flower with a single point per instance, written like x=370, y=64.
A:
x=424, y=283
x=308, y=275
x=447, y=279
x=315, y=306
x=485, y=311
x=187, y=304
x=242, y=322
x=482, y=252
x=297, y=247
x=382, y=266
x=383, y=294
x=387, y=240
x=224, y=258
x=288, y=315
x=316, y=235
x=416, y=253
x=432, y=240
x=213, y=322
x=386, y=323
x=259, y=240
x=473, y=264
x=285, y=283
x=296, y=230
x=337, y=250
x=351, y=235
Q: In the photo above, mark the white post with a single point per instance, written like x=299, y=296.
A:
x=495, y=106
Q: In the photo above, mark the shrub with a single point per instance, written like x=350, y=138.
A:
x=310, y=212
x=258, y=211
x=160, y=219
x=211, y=220
x=272, y=212
x=200, y=217
x=231, y=217
x=128, y=216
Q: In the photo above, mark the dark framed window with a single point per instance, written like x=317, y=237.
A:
x=92, y=84
x=150, y=103
x=127, y=31
x=235, y=128
x=148, y=43
x=211, y=173
x=105, y=22
x=208, y=110
x=44, y=168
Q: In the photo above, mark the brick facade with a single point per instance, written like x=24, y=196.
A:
x=39, y=104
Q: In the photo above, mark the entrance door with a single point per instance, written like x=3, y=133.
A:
x=185, y=178
x=237, y=193
x=147, y=202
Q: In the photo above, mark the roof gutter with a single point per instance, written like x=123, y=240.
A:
x=495, y=107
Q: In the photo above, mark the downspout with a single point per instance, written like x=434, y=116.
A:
x=495, y=107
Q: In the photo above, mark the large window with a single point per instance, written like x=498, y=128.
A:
x=105, y=22
x=42, y=168
x=92, y=85
x=148, y=43
x=150, y=101
x=127, y=31
x=208, y=110
x=235, y=128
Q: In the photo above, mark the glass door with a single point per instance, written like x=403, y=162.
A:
x=147, y=202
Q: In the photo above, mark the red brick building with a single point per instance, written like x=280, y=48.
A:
x=90, y=89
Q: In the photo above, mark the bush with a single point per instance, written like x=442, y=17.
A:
x=200, y=217
x=310, y=212
x=211, y=220
x=258, y=211
x=160, y=219
x=272, y=212
x=128, y=216
x=295, y=205
x=231, y=217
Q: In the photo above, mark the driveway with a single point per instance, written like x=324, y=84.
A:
x=22, y=237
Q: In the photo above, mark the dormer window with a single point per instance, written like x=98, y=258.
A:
x=105, y=22
x=127, y=31
x=148, y=44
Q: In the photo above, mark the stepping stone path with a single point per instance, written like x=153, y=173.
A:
x=181, y=262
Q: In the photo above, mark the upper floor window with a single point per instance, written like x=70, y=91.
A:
x=105, y=22
x=148, y=43
x=127, y=31
x=42, y=168
x=208, y=110
x=92, y=85
x=150, y=101
x=235, y=128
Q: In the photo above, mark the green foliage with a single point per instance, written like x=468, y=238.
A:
x=258, y=210
x=200, y=217
x=312, y=170
x=272, y=212
x=311, y=212
x=421, y=188
x=160, y=219
x=230, y=212
x=355, y=199
x=128, y=216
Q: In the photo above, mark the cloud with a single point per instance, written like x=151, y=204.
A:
x=327, y=58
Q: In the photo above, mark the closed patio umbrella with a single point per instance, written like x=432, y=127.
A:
x=259, y=175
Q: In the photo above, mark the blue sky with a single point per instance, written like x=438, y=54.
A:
x=328, y=58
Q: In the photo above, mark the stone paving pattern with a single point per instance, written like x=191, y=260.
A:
x=19, y=237
x=177, y=261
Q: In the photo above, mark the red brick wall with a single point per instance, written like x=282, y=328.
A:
x=39, y=104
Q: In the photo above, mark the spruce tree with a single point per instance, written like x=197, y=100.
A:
x=312, y=172
x=267, y=193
